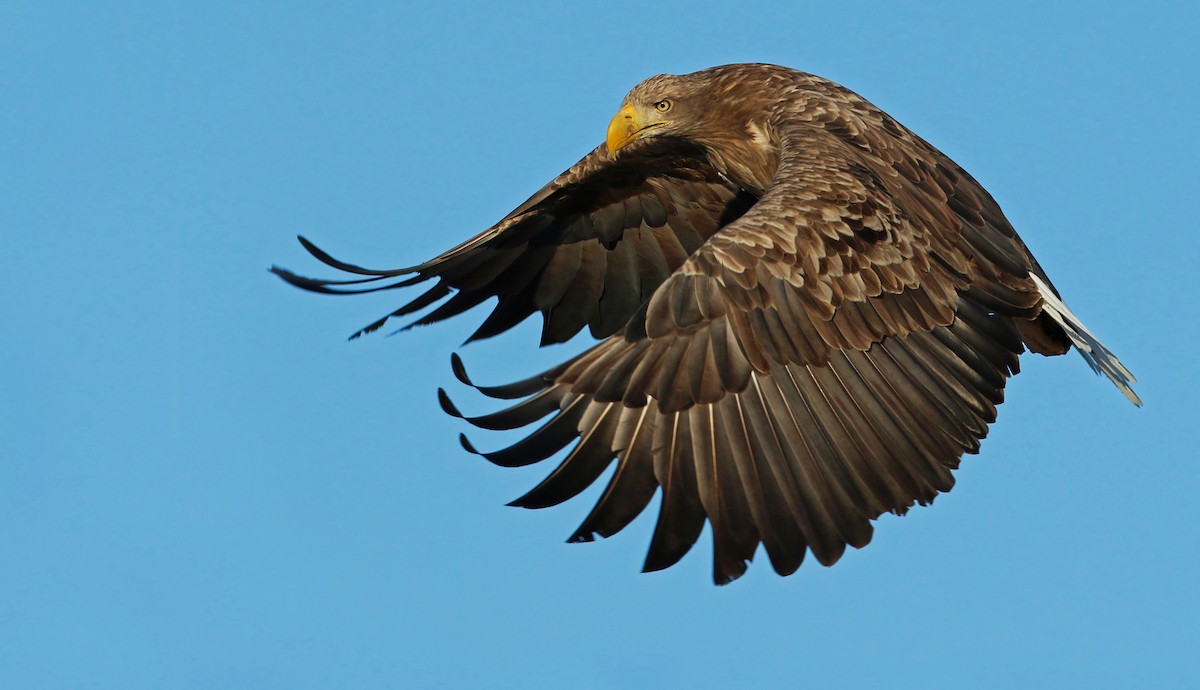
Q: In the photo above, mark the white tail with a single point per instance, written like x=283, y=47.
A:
x=1099, y=358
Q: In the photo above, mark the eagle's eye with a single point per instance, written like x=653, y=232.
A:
x=663, y=106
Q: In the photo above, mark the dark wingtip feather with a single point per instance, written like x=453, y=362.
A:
x=466, y=444
x=328, y=260
x=320, y=255
x=405, y=328
x=535, y=499
x=516, y=389
x=283, y=273
x=345, y=287
x=369, y=328
x=447, y=406
x=460, y=371
x=302, y=282
x=656, y=566
x=722, y=579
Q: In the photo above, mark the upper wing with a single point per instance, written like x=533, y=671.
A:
x=824, y=359
x=587, y=250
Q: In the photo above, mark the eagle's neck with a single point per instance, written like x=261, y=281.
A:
x=749, y=160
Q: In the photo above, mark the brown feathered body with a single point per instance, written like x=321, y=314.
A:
x=807, y=313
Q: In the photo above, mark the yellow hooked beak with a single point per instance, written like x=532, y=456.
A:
x=626, y=126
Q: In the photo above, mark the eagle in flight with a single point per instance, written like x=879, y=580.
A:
x=806, y=315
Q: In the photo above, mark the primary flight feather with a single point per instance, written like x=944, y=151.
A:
x=807, y=315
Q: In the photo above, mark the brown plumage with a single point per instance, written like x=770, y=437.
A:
x=807, y=313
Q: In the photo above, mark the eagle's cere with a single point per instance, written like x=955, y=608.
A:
x=806, y=314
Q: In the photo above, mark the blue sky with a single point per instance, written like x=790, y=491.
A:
x=202, y=484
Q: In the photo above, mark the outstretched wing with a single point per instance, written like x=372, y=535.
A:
x=587, y=250
x=824, y=359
